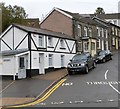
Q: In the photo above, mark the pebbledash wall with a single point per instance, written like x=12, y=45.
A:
x=27, y=51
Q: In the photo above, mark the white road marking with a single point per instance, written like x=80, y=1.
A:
x=81, y=101
x=99, y=100
x=106, y=75
x=111, y=100
x=67, y=84
x=110, y=83
x=114, y=88
x=7, y=86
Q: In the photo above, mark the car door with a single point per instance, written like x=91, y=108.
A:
x=90, y=61
x=107, y=55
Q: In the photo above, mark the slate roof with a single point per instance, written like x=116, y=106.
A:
x=43, y=31
x=85, y=19
x=12, y=52
x=105, y=16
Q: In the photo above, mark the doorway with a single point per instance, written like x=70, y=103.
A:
x=22, y=67
x=41, y=63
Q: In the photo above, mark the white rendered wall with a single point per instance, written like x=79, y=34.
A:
x=18, y=37
x=8, y=66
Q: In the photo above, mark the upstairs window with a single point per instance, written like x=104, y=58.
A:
x=113, y=41
x=90, y=32
x=79, y=30
x=62, y=43
x=85, y=31
x=113, y=30
x=98, y=43
x=98, y=31
x=41, y=41
x=50, y=41
x=116, y=31
x=106, y=34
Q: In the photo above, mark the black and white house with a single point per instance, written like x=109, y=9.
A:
x=27, y=51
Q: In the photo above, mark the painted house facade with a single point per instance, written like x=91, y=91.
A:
x=113, y=32
x=27, y=51
x=90, y=34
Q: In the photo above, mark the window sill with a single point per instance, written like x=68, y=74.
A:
x=50, y=47
x=62, y=48
x=41, y=48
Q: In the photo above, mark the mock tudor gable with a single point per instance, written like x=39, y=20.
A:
x=28, y=51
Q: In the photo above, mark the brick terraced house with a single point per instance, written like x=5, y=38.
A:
x=91, y=35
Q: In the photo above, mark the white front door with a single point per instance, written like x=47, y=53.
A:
x=22, y=67
x=41, y=63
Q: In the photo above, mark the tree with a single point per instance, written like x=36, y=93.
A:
x=99, y=10
x=12, y=14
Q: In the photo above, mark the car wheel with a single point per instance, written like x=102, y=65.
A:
x=70, y=73
x=110, y=58
x=94, y=65
x=86, y=69
x=104, y=60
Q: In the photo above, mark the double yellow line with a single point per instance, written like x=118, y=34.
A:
x=41, y=99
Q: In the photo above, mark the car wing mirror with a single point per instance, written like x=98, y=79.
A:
x=70, y=60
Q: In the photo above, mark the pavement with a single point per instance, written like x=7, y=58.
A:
x=27, y=90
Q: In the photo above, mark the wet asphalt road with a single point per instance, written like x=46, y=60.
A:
x=83, y=90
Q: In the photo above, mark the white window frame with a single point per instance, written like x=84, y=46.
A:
x=85, y=31
x=50, y=60
x=40, y=41
x=62, y=43
x=113, y=40
x=50, y=41
x=62, y=60
x=98, y=31
x=116, y=31
x=86, y=48
x=113, y=31
x=106, y=33
x=90, y=32
x=98, y=42
x=92, y=45
x=80, y=47
x=79, y=30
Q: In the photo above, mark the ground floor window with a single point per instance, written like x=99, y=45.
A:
x=98, y=43
x=92, y=46
x=50, y=60
x=80, y=46
x=62, y=60
x=86, y=46
x=113, y=41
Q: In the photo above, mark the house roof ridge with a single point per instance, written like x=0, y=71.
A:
x=42, y=31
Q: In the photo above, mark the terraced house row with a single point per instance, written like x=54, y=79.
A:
x=92, y=33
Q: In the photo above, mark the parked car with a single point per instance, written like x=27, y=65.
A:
x=81, y=63
x=103, y=56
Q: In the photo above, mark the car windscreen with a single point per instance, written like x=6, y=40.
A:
x=101, y=53
x=79, y=57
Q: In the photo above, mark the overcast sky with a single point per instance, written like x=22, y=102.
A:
x=37, y=8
